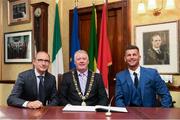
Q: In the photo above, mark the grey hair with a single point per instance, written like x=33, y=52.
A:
x=80, y=51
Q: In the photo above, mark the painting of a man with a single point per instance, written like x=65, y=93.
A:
x=157, y=52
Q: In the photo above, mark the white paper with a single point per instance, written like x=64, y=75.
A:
x=73, y=108
x=79, y=108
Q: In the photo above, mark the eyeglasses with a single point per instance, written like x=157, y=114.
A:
x=42, y=60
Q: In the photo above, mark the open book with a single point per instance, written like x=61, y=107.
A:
x=98, y=108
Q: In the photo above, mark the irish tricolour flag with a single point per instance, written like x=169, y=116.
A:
x=57, y=57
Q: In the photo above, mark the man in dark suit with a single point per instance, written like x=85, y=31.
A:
x=82, y=86
x=36, y=87
x=139, y=86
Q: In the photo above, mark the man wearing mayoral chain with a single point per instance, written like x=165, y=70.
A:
x=82, y=86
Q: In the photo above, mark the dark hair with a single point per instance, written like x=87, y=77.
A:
x=130, y=47
x=156, y=34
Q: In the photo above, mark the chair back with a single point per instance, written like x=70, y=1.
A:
x=59, y=81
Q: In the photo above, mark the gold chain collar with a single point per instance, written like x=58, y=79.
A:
x=89, y=89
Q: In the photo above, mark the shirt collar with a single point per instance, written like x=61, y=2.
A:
x=156, y=49
x=85, y=73
x=137, y=71
x=37, y=74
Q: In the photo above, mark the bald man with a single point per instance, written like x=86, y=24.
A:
x=36, y=87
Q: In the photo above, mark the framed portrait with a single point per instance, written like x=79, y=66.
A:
x=158, y=45
x=18, y=12
x=18, y=47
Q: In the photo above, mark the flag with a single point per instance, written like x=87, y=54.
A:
x=92, y=52
x=74, y=45
x=57, y=57
x=104, y=53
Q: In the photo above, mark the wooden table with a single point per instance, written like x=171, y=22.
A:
x=57, y=113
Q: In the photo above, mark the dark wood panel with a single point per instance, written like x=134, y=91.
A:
x=40, y=27
x=84, y=38
x=173, y=88
x=7, y=81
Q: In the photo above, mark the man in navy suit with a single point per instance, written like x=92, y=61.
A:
x=82, y=86
x=36, y=87
x=139, y=86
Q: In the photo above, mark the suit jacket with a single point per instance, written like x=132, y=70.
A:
x=153, y=57
x=150, y=83
x=25, y=89
x=69, y=95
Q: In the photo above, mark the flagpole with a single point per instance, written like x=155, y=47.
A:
x=106, y=2
x=93, y=2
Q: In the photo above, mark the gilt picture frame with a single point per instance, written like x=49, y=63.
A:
x=18, y=11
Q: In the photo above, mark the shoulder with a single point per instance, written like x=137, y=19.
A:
x=98, y=76
x=95, y=74
x=68, y=76
x=27, y=72
x=148, y=69
x=25, y=75
x=69, y=73
x=49, y=75
x=151, y=52
x=122, y=73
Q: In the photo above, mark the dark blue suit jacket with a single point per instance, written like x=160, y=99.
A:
x=25, y=89
x=151, y=85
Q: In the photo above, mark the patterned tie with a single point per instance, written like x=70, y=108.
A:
x=41, y=96
x=135, y=79
x=83, y=83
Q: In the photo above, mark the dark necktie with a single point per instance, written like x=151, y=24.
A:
x=158, y=51
x=135, y=79
x=41, y=89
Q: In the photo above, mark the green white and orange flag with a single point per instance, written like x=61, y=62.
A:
x=57, y=57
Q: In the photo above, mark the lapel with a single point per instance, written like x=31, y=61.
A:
x=46, y=82
x=77, y=79
x=88, y=80
x=129, y=81
x=142, y=80
x=34, y=84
